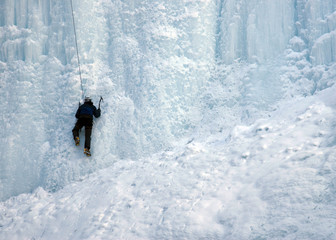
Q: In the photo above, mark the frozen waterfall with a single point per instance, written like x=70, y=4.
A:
x=167, y=70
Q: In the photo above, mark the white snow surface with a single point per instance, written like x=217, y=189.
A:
x=218, y=120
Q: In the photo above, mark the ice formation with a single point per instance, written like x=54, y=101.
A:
x=167, y=70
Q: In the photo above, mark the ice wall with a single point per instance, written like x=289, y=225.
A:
x=254, y=30
x=260, y=29
x=36, y=91
x=320, y=21
x=148, y=59
x=166, y=69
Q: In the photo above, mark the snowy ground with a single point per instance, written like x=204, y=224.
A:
x=274, y=179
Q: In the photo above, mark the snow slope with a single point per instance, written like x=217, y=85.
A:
x=274, y=179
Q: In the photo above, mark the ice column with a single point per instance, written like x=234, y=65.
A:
x=254, y=30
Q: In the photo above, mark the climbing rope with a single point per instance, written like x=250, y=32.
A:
x=74, y=27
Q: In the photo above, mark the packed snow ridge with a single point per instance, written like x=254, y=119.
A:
x=218, y=120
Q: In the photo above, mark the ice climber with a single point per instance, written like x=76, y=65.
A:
x=84, y=117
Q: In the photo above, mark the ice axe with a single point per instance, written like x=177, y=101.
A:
x=101, y=99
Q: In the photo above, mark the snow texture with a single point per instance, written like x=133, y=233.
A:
x=218, y=120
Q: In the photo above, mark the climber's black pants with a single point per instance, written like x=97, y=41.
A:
x=81, y=122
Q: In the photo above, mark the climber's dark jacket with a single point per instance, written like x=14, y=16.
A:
x=87, y=110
